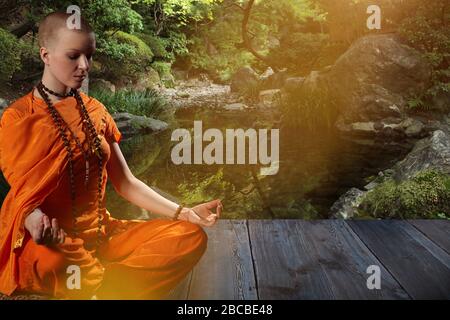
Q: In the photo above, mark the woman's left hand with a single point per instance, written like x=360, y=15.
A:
x=201, y=214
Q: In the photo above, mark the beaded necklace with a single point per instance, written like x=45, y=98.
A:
x=94, y=148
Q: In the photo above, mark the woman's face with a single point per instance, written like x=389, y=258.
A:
x=70, y=57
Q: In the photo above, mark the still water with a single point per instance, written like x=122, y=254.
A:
x=315, y=169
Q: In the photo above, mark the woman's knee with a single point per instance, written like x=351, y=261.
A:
x=199, y=236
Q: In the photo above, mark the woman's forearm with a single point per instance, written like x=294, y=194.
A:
x=145, y=197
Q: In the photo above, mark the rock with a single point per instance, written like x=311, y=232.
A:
x=129, y=124
x=266, y=74
x=441, y=101
x=235, y=107
x=189, y=95
x=375, y=78
x=150, y=80
x=363, y=127
x=180, y=74
x=168, y=80
x=3, y=105
x=274, y=80
x=101, y=84
x=316, y=80
x=245, y=77
x=346, y=206
x=414, y=129
x=293, y=84
x=269, y=98
x=429, y=153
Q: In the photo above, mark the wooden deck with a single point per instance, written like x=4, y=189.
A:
x=325, y=259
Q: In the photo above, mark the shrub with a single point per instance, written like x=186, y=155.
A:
x=299, y=52
x=308, y=109
x=124, y=55
x=427, y=32
x=157, y=45
x=426, y=195
x=10, y=52
x=145, y=103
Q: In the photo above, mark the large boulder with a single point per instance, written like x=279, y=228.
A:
x=101, y=84
x=347, y=205
x=375, y=78
x=244, y=78
x=429, y=153
x=370, y=86
x=130, y=124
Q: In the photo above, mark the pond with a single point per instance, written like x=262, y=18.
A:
x=315, y=168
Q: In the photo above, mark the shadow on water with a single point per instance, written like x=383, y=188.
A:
x=315, y=169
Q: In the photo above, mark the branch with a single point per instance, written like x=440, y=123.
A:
x=247, y=41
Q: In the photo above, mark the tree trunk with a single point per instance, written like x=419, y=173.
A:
x=22, y=29
x=247, y=41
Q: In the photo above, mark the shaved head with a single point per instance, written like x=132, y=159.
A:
x=50, y=26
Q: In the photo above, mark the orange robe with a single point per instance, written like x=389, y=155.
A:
x=137, y=259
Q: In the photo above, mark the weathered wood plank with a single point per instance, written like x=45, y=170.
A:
x=436, y=230
x=297, y=259
x=226, y=269
x=420, y=266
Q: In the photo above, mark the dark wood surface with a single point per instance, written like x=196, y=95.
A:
x=324, y=259
x=321, y=259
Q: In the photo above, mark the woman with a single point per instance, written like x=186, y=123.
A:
x=57, y=148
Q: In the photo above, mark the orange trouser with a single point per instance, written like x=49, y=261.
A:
x=145, y=261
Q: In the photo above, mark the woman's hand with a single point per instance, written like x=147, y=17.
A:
x=202, y=214
x=42, y=231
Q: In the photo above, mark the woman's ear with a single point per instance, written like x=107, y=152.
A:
x=44, y=55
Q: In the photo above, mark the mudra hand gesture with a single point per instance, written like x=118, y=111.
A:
x=201, y=214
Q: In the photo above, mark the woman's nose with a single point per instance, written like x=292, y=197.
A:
x=83, y=63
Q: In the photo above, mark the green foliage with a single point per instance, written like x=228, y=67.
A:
x=427, y=31
x=128, y=56
x=142, y=50
x=163, y=68
x=157, y=46
x=206, y=189
x=112, y=15
x=145, y=103
x=165, y=73
x=299, y=51
x=426, y=195
x=10, y=51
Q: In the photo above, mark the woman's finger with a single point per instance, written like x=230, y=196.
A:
x=38, y=233
x=47, y=232
x=55, y=230
x=219, y=210
x=62, y=236
x=212, y=204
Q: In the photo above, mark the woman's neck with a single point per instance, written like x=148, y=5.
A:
x=53, y=85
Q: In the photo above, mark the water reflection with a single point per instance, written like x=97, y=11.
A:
x=315, y=169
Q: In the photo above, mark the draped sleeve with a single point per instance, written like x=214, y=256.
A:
x=112, y=133
x=32, y=163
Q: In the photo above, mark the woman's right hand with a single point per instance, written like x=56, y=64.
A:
x=42, y=231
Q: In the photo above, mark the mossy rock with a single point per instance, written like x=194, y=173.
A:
x=426, y=195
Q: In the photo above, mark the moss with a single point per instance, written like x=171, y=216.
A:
x=426, y=195
x=128, y=57
x=142, y=49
